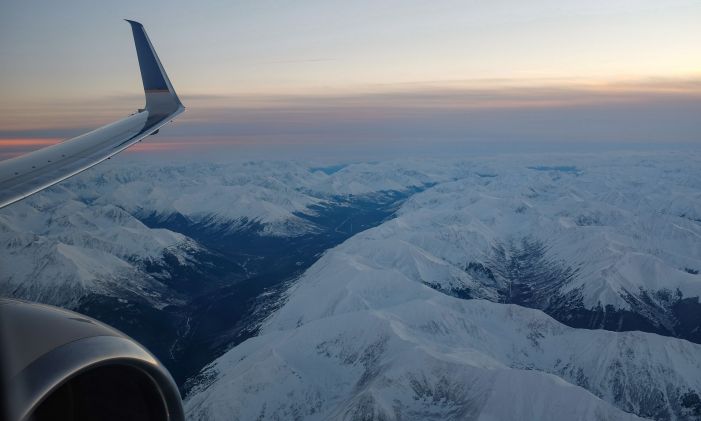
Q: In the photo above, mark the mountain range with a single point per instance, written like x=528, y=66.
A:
x=508, y=287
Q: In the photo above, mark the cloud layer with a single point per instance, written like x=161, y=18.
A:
x=422, y=116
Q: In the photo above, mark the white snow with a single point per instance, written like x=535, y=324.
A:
x=360, y=335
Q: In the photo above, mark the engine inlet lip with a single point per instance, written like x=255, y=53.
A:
x=28, y=389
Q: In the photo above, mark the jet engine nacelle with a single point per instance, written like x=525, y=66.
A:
x=59, y=365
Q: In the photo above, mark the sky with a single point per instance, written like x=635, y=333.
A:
x=361, y=78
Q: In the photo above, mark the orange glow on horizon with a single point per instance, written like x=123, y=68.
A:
x=28, y=142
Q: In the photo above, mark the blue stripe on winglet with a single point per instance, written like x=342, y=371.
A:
x=148, y=63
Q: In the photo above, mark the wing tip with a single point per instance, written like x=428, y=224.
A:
x=153, y=75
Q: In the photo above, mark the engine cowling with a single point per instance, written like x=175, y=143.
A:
x=58, y=364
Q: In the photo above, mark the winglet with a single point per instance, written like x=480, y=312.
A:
x=160, y=95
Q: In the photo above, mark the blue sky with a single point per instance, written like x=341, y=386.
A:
x=366, y=74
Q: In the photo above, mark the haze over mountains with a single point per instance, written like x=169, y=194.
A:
x=419, y=289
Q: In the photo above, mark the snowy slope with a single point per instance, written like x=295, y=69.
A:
x=624, y=234
x=271, y=193
x=371, y=365
x=86, y=235
x=371, y=330
x=612, y=243
x=57, y=254
x=354, y=339
x=231, y=195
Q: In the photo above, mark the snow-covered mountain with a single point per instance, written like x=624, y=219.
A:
x=87, y=235
x=422, y=317
x=379, y=327
x=437, y=357
x=233, y=195
x=57, y=250
x=614, y=244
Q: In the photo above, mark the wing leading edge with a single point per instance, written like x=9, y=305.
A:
x=30, y=173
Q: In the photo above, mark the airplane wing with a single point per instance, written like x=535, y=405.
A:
x=27, y=174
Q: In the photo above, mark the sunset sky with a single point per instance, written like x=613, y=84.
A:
x=340, y=76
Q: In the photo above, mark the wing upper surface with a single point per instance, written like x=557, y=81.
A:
x=35, y=171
